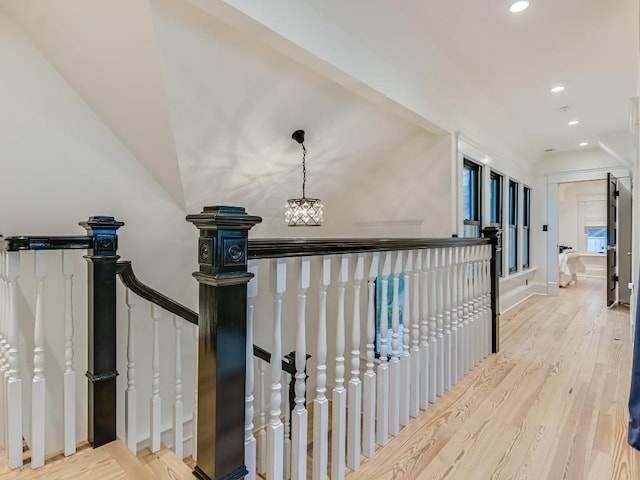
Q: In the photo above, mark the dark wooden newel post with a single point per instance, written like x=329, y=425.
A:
x=223, y=278
x=101, y=261
x=495, y=235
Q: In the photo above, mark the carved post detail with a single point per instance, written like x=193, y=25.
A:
x=101, y=261
x=223, y=278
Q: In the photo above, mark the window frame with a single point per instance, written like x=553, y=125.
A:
x=477, y=211
x=513, y=224
x=526, y=224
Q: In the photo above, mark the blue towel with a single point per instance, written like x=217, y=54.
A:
x=634, y=394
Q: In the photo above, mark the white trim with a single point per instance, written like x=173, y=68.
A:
x=586, y=175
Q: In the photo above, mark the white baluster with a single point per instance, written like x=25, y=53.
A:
x=69, y=411
x=250, y=447
x=405, y=361
x=178, y=415
x=487, y=297
x=321, y=402
x=287, y=427
x=39, y=386
x=466, y=285
x=460, y=294
x=299, y=415
x=438, y=278
x=155, y=409
x=194, y=415
x=275, y=430
x=369, y=386
x=476, y=306
x=382, y=401
x=453, y=285
x=425, y=347
x=394, y=367
x=14, y=383
x=355, y=386
x=262, y=429
x=130, y=395
x=446, y=291
x=416, y=379
x=434, y=346
x=339, y=400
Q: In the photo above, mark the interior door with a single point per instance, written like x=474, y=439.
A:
x=624, y=240
x=612, y=218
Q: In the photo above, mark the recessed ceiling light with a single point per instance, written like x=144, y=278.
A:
x=574, y=122
x=557, y=89
x=584, y=144
x=519, y=6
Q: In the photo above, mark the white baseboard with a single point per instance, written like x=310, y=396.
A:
x=516, y=296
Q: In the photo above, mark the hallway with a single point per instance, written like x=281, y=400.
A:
x=551, y=405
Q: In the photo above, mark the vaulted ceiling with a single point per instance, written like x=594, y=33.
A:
x=196, y=96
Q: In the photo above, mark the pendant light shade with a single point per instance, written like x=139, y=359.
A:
x=303, y=212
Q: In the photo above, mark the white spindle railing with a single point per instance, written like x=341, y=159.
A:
x=416, y=374
x=441, y=331
x=178, y=407
x=405, y=361
x=355, y=385
x=250, y=447
x=14, y=381
x=299, y=415
x=69, y=395
x=155, y=403
x=394, y=367
x=369, y=384
x=275, y=429
x=38, y=383
x=130, y=395
x=382, y=401
x=339, y=397
x=321, y=402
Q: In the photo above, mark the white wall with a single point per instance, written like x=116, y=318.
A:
x=60, y=165
x=580, y=202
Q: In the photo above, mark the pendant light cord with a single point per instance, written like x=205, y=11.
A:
x=304, y=169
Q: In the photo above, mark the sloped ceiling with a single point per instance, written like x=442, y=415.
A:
x=107, y=51
x=234, y=104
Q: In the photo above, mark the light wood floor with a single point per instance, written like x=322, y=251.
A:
x=551, y=405
x=110, y=462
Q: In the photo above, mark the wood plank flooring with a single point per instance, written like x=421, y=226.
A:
x=551, y=405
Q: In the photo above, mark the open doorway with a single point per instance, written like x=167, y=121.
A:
x=590, y=232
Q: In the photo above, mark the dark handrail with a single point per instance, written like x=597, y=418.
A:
x=125, y=271
x=298, y=247
x=24, y=242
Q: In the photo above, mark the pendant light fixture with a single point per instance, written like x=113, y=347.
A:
x=303, y=212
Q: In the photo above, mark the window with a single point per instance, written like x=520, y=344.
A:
x=596, y=239
x=526, y=220
x=495, y=209
x=471, y=195
x=513, y=226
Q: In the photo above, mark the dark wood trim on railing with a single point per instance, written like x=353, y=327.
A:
x=23, y=242
x=129, y=279
x=300, y=247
